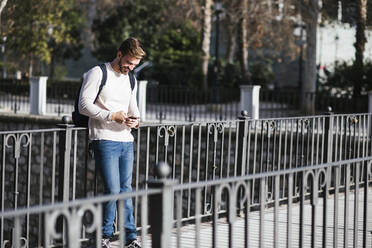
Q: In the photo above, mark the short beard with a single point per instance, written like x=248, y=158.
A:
x=121, y=67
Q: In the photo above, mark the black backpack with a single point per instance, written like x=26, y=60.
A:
x=81, y=120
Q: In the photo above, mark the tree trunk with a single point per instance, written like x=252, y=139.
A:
x=52, y=67
x=310, y=72
x=269, y=7
x=30, y=66
x=231, y=42
x=206, y=40
x=360, y=45
x=231, y=49
x=2, y=5
x=243, y=44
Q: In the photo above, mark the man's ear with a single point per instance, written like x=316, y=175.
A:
x=119, y=54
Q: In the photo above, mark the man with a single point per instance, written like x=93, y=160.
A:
x=111, y=118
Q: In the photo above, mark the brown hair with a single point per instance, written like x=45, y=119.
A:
x=132, y=47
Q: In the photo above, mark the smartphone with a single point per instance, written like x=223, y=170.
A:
x=133, y=117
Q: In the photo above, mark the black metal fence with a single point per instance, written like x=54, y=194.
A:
x=330, y=209
x=53, y=165
x=287, y=103
x=183, y=104
x=14, y=96
x=279, y=103
x=342, y=104
x=61, y=97
x=175, y=103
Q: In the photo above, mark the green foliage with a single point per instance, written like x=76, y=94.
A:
x=261, y=73
x=349, y=11
x=36, y=28
x=231, y=75
x=72, y=46
x=177, y=57
x=141, y=18
x=173, y=47
x=330, y=9
x=60, y=72
x=341, y=80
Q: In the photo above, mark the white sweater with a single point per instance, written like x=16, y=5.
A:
x=115, y=96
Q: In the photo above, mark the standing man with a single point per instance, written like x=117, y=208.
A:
x=111, y=117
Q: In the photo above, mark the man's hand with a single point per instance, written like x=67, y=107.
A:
x=132, y=122
x=119, y=117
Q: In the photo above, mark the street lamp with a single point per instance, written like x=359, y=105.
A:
x=51, y=44
x=300, y=33
x=4, y=57
x=217, y=11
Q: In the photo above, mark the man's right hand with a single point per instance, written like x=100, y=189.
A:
x=119, y=117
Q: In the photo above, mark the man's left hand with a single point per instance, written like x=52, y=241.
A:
x=132, y=122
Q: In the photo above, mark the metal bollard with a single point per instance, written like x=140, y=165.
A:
x=161, y=207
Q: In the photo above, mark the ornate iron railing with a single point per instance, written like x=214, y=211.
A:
x=185, y=104
x=180, y=103
x=319, y=223
x=46, y=166
x=14, y=96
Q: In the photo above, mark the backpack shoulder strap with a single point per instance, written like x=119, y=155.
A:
x=103, y=81
x=132, y=80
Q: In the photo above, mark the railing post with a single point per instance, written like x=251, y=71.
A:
x=370, y=112
x=65, y=138
x=328, y=139
x=242, y=143
x=369, y=102
x=141, y=98
x=250, y=100
x=161, y=207
x=38, y=95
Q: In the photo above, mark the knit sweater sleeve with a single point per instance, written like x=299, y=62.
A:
x=88, y=93
x=133, y=106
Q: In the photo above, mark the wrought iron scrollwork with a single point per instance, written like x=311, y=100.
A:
x=24, y=243
x=271, y=124
x=305, y=123
x=316, y=175
x=208, y=208
x=17, y=143
x=237, y=196
x=369, y=170
x=215, y=129
x=166, y=132
x=353, y=119
x=74, y=220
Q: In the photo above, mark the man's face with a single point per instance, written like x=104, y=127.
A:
x=127, y=63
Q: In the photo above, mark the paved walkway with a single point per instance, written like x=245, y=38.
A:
x=188, y=232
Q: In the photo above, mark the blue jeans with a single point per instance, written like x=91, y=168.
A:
x=114, y=160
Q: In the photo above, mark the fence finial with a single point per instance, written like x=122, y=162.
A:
x=244, y=113
x=162, y=170
x=66, y=119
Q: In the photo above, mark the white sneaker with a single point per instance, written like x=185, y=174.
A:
x=105, y=243
x=133, y=244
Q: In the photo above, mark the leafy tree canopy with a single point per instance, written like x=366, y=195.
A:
x=341, y=80
x=172, y=45
x=348, y=9
x=142, y=19
x=37, y=27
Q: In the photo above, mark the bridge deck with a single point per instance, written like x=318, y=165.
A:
x=188, y=232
